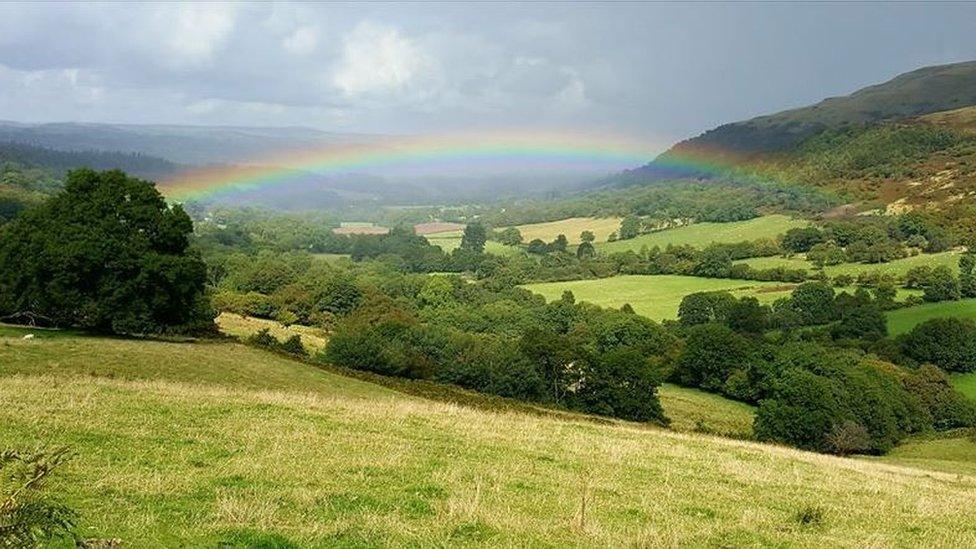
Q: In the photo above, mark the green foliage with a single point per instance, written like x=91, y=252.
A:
x=510, y=237
x=941, y=285
x=474, y=238
x=630, y=227
x=29, y=517
x=705, y=307
x=105, y=254
x=866, y=322
x=802, y=239
x=949, y=343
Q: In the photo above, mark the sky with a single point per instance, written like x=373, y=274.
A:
x=657, y=71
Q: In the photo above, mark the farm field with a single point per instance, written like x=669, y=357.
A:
x=701, y=234
x=571, y=227
x=896, y=268
x=451, y=240
x=313, y=339
x=903, y=320
x=209, y=444
x=656, y=296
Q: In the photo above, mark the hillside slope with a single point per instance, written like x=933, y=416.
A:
x=923, y=91
x=198, y=444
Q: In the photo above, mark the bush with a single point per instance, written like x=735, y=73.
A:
x=28, y=516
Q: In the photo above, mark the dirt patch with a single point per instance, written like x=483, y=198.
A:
x=437, y=227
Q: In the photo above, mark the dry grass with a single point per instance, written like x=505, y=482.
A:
x=314, y=339
x=197, y=444
x=571, y=227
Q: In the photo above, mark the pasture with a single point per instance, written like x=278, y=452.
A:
x=656, y=296
x=702, y=234
x=451, y=240
x=903, y=320
x=571, y=227
x=217, y=444
x=313, y=339
x=896, y=268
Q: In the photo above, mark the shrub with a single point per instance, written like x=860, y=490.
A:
x=29, y=517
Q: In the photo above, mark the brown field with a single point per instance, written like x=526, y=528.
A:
x=437, y=227
x=361, y=229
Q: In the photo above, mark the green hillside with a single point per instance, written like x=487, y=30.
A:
x=702, y=234
x=210, y=444
x=903, y=320
x=896, y=268
x=923, y=91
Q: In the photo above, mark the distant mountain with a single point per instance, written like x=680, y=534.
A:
x=197, y=145
x=58, y=162
x=913, y=94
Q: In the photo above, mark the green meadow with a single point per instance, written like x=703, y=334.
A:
x=903, y=320
x=702, y=234
x=451, y=240
x=656, y=296
x=218, y=444
x=896, y=268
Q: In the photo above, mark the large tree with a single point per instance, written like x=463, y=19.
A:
x=106, y=254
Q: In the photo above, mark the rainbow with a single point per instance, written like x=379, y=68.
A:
x=566, y=150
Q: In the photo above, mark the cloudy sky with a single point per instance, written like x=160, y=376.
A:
x=651, y=70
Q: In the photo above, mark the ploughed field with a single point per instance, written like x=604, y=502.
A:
x=214, y=442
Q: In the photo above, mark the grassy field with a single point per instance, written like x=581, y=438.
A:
x=449, y=241
x=701, y=234
x=571, y=227
x=965, y=384
x=656, y=296
x=314, y=339
x=331, y=257
x=903, y=320
x=950, y=454
x=691, y=410
x=215, y=443
x=896, y=268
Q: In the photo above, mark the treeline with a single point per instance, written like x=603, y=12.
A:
x=714, y=200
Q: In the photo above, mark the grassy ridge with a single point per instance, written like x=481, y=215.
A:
x=702, y=234
x=656, y=296
x=174, y=449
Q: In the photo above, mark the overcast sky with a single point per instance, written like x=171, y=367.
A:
x=659, y=71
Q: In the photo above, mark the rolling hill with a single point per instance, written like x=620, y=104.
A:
x=919, y=92
x=219, y=444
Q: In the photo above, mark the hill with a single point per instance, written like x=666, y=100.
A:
x=215, y=443
x=919, y=92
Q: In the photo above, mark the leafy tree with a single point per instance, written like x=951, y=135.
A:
x=510, y=237
x=620, y=383
x=630, y=227
x=941, y=285
x=474, y=238
x=748, y=316
x=105, y=254
x=537, y=247
x=861, y=322
x=713, y=263
x=704, y=307
x=711, y=354
x=813, y=302
x=949, y=343
x=967, y=276
x=587, y=236
x=559, y=244
x=800, y=240
x=585, y=251
x=826, y=253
